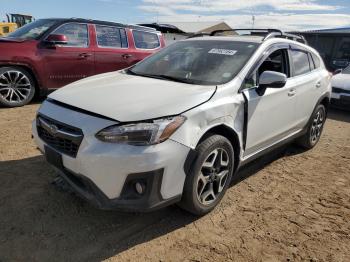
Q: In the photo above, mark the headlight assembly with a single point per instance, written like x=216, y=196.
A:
x=142, y=133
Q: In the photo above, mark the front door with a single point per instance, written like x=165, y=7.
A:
x=65, y=64
x=270, y=116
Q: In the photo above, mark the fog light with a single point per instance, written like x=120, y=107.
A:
x=140, y=188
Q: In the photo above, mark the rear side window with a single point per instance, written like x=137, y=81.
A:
x=145, y=40
x=317, y=61
x=312, y=64
x=77, y=34
x=110, y=36
x=301, y=62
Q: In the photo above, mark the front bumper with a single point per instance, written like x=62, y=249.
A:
x=101, y=172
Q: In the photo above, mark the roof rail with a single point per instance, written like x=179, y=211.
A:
x=294, y=37
x=252, y=30
x=268, y=33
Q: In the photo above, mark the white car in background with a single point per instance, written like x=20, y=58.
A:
x=341, y=88
x=177, y=126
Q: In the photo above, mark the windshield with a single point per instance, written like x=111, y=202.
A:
x=205, y=62
x=346, y=70
x=33, y=30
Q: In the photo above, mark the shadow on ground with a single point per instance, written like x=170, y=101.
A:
x=339, y=115
x=38, y=222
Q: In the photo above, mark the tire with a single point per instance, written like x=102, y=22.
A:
x=208, y=179
x=314, y=129
x=17, y=87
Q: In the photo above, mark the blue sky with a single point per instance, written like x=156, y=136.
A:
x=285, y=14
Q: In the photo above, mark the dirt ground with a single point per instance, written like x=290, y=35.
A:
x=290, y=206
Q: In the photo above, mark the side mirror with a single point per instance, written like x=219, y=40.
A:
x=338, y=71
x=56, y=40
x=271, y=79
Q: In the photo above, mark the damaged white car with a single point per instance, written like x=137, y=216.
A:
x=177, y=126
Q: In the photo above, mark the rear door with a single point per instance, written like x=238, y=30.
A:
x=310, y=81
x=68, y=63
x=112, y=50
x=271, y=116
x=143, y=44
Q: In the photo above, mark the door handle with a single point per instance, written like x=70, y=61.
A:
x=318, y=85
x=292, y=92
x=84, y=55
x=126, y=56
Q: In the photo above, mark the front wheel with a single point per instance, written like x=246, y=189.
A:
x=17, y=87
x=315, y=128
x=210, y=175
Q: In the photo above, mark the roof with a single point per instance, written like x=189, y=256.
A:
x=196, y=27
x=101, y=22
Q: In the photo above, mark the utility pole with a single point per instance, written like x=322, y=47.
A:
x=253, y=21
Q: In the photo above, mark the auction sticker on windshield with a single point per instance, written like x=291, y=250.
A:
x=222, y=51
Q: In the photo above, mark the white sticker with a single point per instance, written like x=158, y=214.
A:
x=222, y=51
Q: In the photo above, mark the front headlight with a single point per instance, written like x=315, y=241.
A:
x=140, y=134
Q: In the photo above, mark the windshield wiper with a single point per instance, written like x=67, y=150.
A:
x=163, y=77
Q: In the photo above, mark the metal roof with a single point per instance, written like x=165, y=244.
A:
x=344, y=30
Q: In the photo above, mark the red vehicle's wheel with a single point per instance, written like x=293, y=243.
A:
x=16, y=87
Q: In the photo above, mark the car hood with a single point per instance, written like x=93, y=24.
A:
x=128, y=98
x=341, y=81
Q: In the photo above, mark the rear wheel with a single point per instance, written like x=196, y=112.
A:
x=17, y=87
x=210, y=175
x=315, y=128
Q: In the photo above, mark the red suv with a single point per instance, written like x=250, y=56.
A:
x=50, y=53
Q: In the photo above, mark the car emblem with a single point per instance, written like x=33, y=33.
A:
x=53, y=129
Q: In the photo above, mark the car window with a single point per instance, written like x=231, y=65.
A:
x=110, y=36
x=33, y=30
x=346, y=70
x=77, y=34
x=145, y=40
x=312, y=64
x=276, y=62
x=316, y=60
x=209, y=62
x=301, y=62
x=124, y=38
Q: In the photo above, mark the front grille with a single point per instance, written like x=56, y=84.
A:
x=338, y=90
x=64, y=138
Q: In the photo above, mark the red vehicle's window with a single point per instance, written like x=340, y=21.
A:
x=77, y=34
x=145, y=40
x=110, y=36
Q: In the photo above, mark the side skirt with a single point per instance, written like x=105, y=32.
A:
x=273, y=147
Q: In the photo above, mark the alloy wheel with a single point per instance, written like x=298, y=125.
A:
x=317, y=125
x=213, y=176
x=15, y=87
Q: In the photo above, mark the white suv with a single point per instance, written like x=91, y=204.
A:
x=175, y=127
